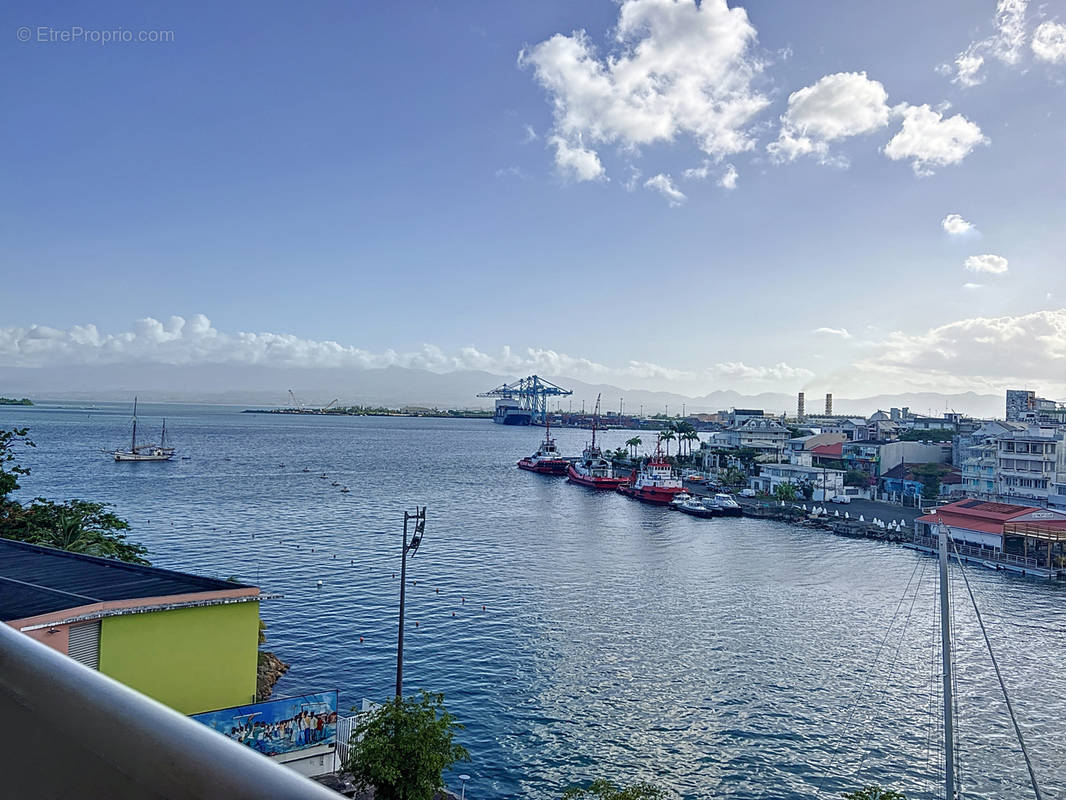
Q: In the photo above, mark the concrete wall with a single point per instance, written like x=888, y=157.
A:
x=191, y=659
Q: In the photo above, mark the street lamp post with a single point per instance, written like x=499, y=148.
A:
x=419, y=520
x=464, y=779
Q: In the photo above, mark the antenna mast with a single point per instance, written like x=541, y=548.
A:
x=945, y=651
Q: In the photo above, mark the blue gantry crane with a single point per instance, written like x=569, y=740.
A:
x=525, y=401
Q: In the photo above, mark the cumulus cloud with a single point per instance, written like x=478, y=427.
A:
x=980, y=352
x=575, y=161
x=929, y=140
x=841, y=332
x=728, y=178
x=676, y=68
x=996, y=265
x=1005, y=44
x=956, y=225
x=1049, y=42
x=664, y=185
x=835, y=107
x=972, y=286
x=775, y=372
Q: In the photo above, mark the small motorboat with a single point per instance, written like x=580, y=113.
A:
x=725, y=505
x=679, y=499
x=345, y=490
x=323, y=476
x=334, y=484
x=306, y=469
x=696, y=508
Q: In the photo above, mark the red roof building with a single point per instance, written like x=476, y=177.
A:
x=1033, y=534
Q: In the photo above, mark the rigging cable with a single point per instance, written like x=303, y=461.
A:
x=999, y=676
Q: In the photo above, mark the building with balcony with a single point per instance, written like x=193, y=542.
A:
x=825, y=483
x=187, y=641
x=1028, y=463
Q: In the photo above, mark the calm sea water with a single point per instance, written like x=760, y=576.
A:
x=599, y=637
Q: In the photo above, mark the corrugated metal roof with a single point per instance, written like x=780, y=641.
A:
x=38, y=580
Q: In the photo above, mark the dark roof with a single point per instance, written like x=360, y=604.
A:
x=38, y=580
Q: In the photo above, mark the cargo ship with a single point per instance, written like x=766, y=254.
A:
x=510, y=412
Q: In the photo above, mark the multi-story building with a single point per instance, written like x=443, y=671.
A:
x=1019, y=403
x=764, y=434
x=824, y=483
x=1029, y=462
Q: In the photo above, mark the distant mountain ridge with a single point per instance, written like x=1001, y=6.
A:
x=399, y=386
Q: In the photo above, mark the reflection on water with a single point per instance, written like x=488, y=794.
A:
x=729, y=658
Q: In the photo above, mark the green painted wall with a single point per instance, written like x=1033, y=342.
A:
x=191, y=659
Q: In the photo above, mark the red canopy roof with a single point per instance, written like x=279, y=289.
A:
x=977, y=515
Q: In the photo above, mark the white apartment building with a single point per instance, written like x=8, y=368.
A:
x=1029, y=462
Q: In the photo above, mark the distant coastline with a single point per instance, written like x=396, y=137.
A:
x=365, y=411
x=11, y=401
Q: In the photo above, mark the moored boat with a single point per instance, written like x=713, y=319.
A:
x=592, y=469
x=145, y=452
x=680, y=498
x=725, y=505
x=655, y=482
x=547, y=460
x=696, y=507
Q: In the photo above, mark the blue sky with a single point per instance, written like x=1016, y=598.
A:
x=387, y=177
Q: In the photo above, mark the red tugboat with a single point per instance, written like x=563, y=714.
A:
x=656, y=481
x=592, y=469
x=547, y=460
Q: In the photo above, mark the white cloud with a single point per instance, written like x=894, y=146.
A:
x=996, y=265
x=979, y=353
x=738, y=370
x=530, y=135
x=179, y=342
x=677, y=68
x=575, y=161
x=699, y=173
x=1005, y=44
x=956, y=225
x=728, y=178
x=1049, y=42
x=841, y=332
x=931, y=140
x=664, y=185
x=835, y=107
x=972, y=286
x=511, y=172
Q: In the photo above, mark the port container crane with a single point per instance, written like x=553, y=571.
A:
x=532, y=393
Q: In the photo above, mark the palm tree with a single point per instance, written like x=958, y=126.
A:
x=690, y=436
x=633, y=444
x=667, y=436
x=71, y=534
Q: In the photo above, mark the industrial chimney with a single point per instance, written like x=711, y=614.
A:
x=799, y=406
x=829, y=404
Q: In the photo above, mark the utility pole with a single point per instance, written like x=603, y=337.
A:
x=419, y=520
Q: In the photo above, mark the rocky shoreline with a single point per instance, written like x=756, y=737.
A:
x=837, y=525
x=269, y=670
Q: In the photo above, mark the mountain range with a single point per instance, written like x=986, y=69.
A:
x=399, y=386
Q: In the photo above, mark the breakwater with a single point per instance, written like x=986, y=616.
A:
x=840, y=526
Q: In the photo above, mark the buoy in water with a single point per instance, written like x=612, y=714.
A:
x=320, y=584
x=483, y=608
x=416, y=623
x=464, y=599
x=360, y=638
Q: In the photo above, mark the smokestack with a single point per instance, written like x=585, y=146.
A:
x=829, y=404
x=799, y=406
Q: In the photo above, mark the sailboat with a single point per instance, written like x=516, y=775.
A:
x=145, y=452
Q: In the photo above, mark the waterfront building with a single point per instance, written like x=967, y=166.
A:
x=1017, y=537
x=974, y=453
x=764, y=434
x=873, y=457
x=1029, y=463
x=187, y=641
x=900, y=484
x=825, y=482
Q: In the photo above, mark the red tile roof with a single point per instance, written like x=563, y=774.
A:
x=977, y=515
x=828, y=450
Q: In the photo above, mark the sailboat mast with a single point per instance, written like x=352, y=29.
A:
x=133, y=442
x=945, y=650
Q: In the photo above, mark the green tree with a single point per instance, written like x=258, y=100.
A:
x=402, y=748
x=605, y=790
x=929, y=475
x=633, y=444
x=80, y=526
x=667, y=436
x=856, y=477
x=786, y=492
x=734, y=478
x=874, y=793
